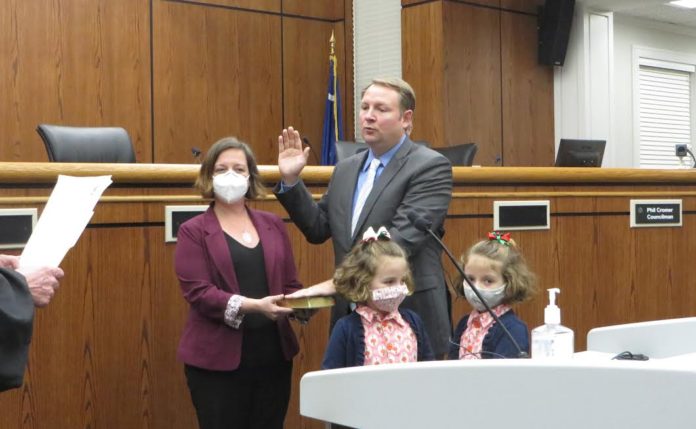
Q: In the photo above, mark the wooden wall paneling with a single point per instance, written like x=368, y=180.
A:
x=306, y=51
x=254, y=5
x=495, y=4
x=88, y=352
x=324, y=9
x=655, y=246
x=405, y=3
x=171, y=402
x=682, y=294
x=73, y=63
x=217, y=73
x=614, y=277
x=472, y=92
x=423, y=63
x=528, y=6
x=527, y=116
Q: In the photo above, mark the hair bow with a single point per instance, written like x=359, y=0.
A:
x=503, y=239
x=370, y=234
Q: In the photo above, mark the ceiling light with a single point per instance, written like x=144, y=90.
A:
x=689, y=4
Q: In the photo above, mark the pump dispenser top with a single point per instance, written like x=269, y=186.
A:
x=552, y=314
x=552, y=340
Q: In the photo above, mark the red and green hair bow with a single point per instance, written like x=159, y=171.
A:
x=501, y=238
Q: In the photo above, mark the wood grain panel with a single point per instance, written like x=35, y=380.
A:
x=254, y=5
x=472, y=90
x=414, y=2
x=83, y=63
x=171, y=404
x=325, y=9
x=217, y=73
x=306, y=51
x=423, y=63
x=476, y=63
x=528, y=6
x=528, y=131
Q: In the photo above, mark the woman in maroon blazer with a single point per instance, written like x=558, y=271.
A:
x=233, y=265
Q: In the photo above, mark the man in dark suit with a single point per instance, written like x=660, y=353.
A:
x=20, y=291
x=407, y=178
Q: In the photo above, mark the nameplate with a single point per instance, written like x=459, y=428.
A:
x=654, y=213
x=174, y=216
x=521, y=215
x=16, y=226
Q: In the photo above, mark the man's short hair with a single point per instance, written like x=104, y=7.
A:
x=407, y=97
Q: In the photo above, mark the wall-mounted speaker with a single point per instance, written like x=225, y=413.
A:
x=555, y=19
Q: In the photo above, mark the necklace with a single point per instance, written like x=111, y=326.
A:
x=246, y=237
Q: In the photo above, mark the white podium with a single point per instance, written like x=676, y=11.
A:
x=588, y=391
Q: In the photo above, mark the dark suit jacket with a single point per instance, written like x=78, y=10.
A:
x=416, y=179
x=206, y=274
x=16, y=319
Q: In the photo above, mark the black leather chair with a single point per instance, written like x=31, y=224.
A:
x=86, y=144
x=345, y=149
x=461, y=155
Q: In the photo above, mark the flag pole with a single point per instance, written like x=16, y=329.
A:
x=332, y=44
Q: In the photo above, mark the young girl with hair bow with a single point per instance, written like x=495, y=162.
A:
x=497, y=269
x=376, y=276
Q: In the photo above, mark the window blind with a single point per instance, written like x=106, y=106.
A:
x=377, y=44
x=665, y=112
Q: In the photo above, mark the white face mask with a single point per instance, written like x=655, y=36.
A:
x=388, y=299
x=492, y=297
x=230, y=186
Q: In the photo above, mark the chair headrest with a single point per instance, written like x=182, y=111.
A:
x=86, y=144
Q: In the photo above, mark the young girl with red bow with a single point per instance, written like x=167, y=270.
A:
x=496, y=267
x=376, y=276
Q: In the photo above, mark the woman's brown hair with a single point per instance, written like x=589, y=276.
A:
x=204, y=182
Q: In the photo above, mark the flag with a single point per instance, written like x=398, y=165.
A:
x=333, y=124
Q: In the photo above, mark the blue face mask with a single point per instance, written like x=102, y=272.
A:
x=493, y=297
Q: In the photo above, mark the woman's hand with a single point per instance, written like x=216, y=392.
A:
x=266, y=306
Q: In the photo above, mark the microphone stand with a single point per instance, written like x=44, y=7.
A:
x=693, y=158
x=305, y=140
x=520, y=352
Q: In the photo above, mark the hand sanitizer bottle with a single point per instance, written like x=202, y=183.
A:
x=552, y=340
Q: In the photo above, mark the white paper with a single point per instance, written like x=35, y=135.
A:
x=67, y=213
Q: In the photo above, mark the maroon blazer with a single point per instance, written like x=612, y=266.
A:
x=206, y=275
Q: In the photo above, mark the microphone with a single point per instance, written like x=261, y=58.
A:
x=305, y=140
x=423, y=223
x=196, y=153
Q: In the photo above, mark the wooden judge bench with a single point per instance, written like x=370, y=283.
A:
x=103, y=353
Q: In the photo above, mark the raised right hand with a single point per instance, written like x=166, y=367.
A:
x=291, y=157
